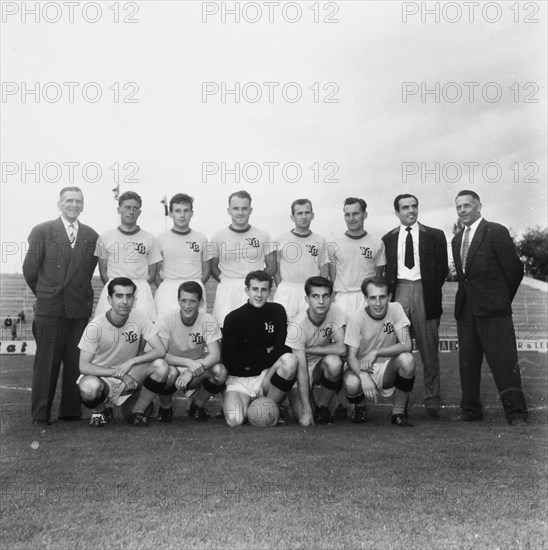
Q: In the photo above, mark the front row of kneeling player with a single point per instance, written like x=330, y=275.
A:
x=122, y=351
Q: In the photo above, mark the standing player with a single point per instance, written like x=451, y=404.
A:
x=58, y=268
x=254, y=351
x=110, y=361
x=235, y=251
x=354, y=257
x=192, y=340
x=183, y=251
x=317, y=339
x=379, y=354
x=128, y=251
x=300, y=254
x=416, y=270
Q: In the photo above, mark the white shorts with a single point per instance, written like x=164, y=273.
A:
x=166, y=298
x=350, y=302
x=230, y=295
x=379, y=368
x=291, y=296
x=143, y=299
x=248, y=385
x=116, y=389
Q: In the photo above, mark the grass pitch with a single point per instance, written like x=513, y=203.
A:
x=189, y=485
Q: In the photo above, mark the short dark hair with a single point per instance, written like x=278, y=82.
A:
x=128, y=196
x=241, y=195
x=191, y=287
x=260, y=276
x=73, y=189
x=300, y=202
x=181, y=198
x=403, y=196
x=317, y=281
x=120, y=281
x=467, y=192
x=375, y=281
x=354, y=200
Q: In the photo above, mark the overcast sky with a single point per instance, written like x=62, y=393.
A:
x=361, y=122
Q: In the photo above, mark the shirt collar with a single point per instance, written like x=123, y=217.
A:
x=474, y=226
x=403, y=228
x=66, y=223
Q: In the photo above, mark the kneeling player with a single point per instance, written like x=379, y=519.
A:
x=191, y=338
x=379, y=353
x=317, y=339
x=254, y=351
x=111, y=366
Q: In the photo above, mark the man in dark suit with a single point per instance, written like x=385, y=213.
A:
x=416, y=268
x=489, y=272
x=58, y=268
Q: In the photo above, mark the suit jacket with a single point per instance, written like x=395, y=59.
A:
x=493, y=271
x=60, y=276
x=433, y=263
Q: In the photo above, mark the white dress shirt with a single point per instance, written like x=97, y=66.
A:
x=413, y=274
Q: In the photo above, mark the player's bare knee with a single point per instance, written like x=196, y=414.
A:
x=160, y=370
x=352, y=383
x=406, y=365
x=90, y=387
x=288, y=368
x=93, y=391
x=333, y=366
x=172, y=376
x=219, y=373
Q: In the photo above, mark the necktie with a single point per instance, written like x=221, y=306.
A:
x=409, y=260
x=465, y=246
x=71, y=235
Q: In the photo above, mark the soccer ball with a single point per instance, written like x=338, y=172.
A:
x=263, y=412
x=128, y=404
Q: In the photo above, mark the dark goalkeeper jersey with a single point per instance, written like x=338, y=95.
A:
x=247, y=334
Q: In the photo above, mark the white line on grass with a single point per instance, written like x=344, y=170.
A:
x=14, y=388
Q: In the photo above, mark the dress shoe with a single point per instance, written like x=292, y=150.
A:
x=41, y=422
x=517, y=421
x=467, y=416
x=70, y=418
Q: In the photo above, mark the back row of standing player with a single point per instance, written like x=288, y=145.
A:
x=183, y=254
